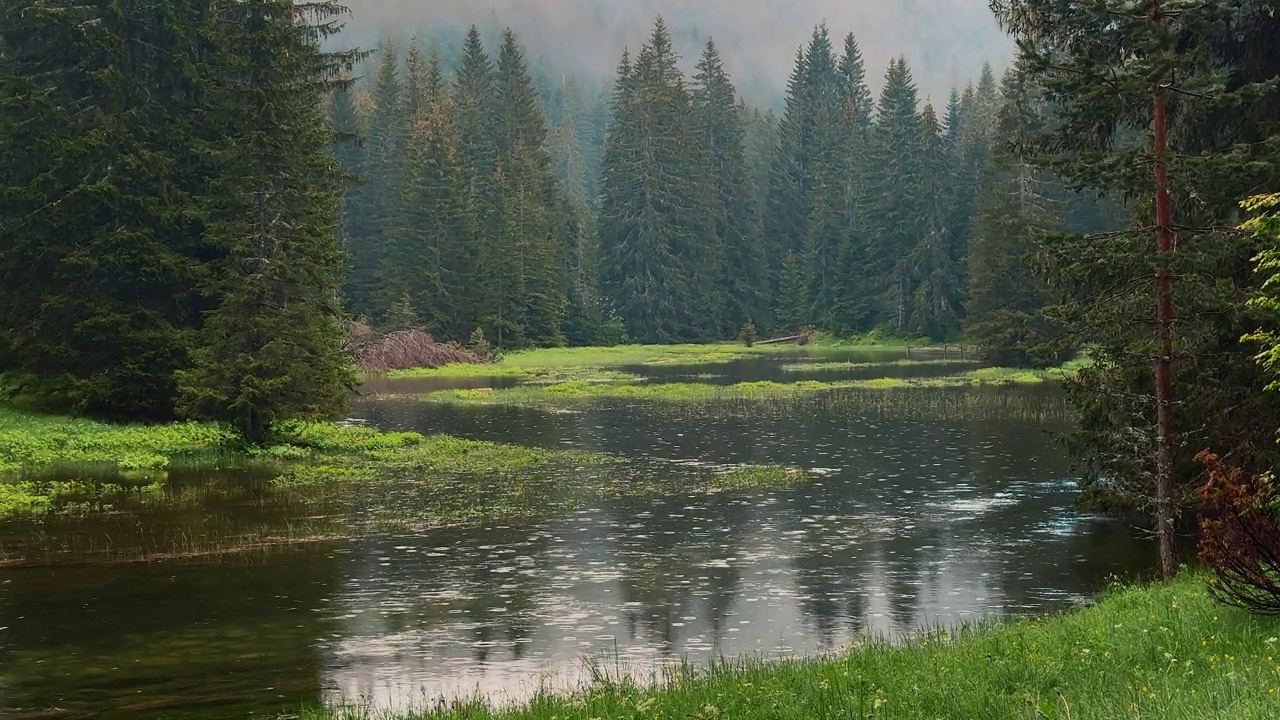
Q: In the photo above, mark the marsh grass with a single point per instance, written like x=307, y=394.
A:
x=1165, y=651
x=845, y=366
x=576, y=392
x=72, y=500
x=588, y=362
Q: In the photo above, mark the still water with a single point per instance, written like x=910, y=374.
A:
x=955, y=509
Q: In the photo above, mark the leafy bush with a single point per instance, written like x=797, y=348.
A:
x=1240, y=536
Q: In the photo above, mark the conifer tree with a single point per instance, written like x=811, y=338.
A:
x=1006, y=300
x=935, y=269
x=532, y=284
x=784, y=220
x=649, y=217
x=366, y=229
x=475, y=96
x=855, y=291
x=100, y=230
x=733, y=248
x=271, y=348
x=431, y=243
x=1160, y=103
x=893, y=185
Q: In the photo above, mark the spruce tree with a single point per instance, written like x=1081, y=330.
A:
x=366, y=229
x=855, y=300
x=475, y=96
x=532, y=296
x=893, y=186
x=784, y=220
x=650, y=211
x=934, y=264
x=733, y=250
x=271, y=348
x=1006, y=299
x=431, y=243
x=105, y=129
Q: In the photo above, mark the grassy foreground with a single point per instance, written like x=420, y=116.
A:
x=1165, y=651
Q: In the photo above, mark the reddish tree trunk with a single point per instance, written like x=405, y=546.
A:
x=1164, y=328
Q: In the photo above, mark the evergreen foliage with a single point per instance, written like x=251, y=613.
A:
x=101, y=230
x=1102, y=66
x=270, y=349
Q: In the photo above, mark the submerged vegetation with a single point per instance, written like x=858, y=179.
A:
x=1165, y=651
x=320, y=480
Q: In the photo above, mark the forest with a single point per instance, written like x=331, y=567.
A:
x=197, y=198
x=666, y=208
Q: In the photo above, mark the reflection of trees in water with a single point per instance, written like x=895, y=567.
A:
x=417, y=593
x=667, y=575
x=248, y=623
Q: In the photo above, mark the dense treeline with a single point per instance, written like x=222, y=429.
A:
x=670, y=210
x=169, y=232
x=1173, y=110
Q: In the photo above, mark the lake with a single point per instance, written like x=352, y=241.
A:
x=953, y=505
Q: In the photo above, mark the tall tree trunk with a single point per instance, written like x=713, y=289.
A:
x=1164, y=328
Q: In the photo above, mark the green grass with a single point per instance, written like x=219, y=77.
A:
x=577, y=391
x=581, y=363
x=836, y=366
x=1165, y=651
x=62, y=466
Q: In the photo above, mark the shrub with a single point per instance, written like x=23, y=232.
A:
x=1240, y=536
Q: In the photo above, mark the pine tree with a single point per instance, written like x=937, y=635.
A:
x=430, y=246
x=893, y=185
x=100, y=226
x=1119, y=80
x=733, y=250
x=271, y=349
x=366, y=229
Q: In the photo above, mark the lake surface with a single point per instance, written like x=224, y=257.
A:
x=953, y=506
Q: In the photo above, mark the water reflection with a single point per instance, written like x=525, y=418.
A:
x=915, y=520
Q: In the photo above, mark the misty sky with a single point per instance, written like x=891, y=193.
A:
x=945, y=41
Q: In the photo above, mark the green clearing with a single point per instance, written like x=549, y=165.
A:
x=1163, y=651
x=583, y=363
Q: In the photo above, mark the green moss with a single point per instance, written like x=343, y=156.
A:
x=1165, y=651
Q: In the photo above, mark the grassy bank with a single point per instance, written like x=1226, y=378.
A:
x=577, y=363
x=1164, y=652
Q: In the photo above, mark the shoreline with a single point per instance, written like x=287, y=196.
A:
x=1159, y=650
